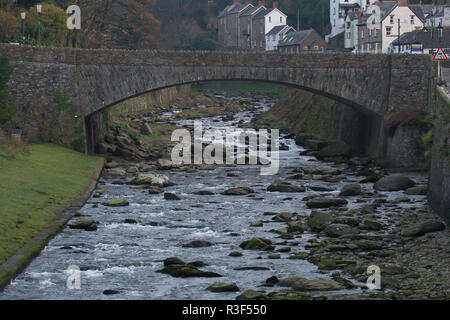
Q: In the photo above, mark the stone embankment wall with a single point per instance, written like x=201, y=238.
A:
x=439, y=185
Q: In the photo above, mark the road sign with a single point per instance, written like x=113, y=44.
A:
x=440, y=55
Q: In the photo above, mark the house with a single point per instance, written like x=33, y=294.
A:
x=263, y=22
x=339, y=9
x=302, y=41
x=424, y=41
x=383, y=22
x=245, y=26
x=277, y=34
x=228, y=23
x=351, y=30
x=400, y=19
x=437, y=15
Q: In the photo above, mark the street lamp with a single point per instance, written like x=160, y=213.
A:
x=39, y=10
x=23, y=15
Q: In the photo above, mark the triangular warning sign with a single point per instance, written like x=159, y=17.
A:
x=440, y=55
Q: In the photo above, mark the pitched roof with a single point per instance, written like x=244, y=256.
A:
x=251, y=11
x=417, y=10
x=277, y=29
x=239, y=8
x=263, y=13
x=424, y=37
x=387, y=8
x=296, y=38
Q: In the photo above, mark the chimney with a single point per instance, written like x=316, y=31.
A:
x=275, y=4
x=403, y=3
x=261, y=3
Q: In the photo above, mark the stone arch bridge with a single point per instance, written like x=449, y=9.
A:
x=97, y=79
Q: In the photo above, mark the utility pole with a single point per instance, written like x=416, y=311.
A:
x=398, y=38
x=298, y=19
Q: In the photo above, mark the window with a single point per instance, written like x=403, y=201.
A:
x=362, y=34
x=412, y=19
x=270, y=19
x=392, y=19
x=281, y=19
x=388, y=31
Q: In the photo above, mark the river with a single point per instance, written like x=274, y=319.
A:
x=125, y=257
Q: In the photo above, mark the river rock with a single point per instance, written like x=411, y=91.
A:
x=422, y=228
x=283, y=217
x=173, y=260
x=204, y=193
x=235, y=254
x=296, y=226
x=115, y=172
x=110, y=292
x=319, y=220
x=353, y=189
x=368, y=245
x=239, y=191
x=197, y=244
x=371, y=225
x=154, y=190
x=393, y=182
x=256, y=224
x=223, y=287
x=83, y=224
x=337, y=230
x=117, y=203
x=417, y=191
x=303, y=284
x=322, y=170
x=151, y=178
x=325, y=202
x=252, y=295
x=257, y=244
x=165, y=164
x=182, y=270
x=171, y=196
x=281, y=186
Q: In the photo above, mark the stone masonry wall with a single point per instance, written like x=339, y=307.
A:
x=439, y=184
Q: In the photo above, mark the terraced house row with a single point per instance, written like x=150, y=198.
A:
x=248, y=27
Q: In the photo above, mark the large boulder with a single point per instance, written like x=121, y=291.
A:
x=303, y=284
x=281, y=186
x=417, y=191
x=283, y=217
x=197, y=244
x=252, y=295
x=420, y=229
x=223, y=287
x=165, y=164
x=117, y=203
x=393, y=182
x=319, y=220
x=151, y=178
x=337, y=230
x=239, y=191
x=353, y=189
x=257, y=244
x=325, y=202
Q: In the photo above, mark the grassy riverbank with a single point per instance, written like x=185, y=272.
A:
x=35, y=188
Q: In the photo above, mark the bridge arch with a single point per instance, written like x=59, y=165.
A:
x=96, y=79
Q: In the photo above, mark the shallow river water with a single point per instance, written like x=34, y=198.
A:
x=125, y=257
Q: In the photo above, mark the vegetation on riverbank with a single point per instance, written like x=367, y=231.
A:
x=35, y=188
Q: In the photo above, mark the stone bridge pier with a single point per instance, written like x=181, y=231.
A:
x=377, y=85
